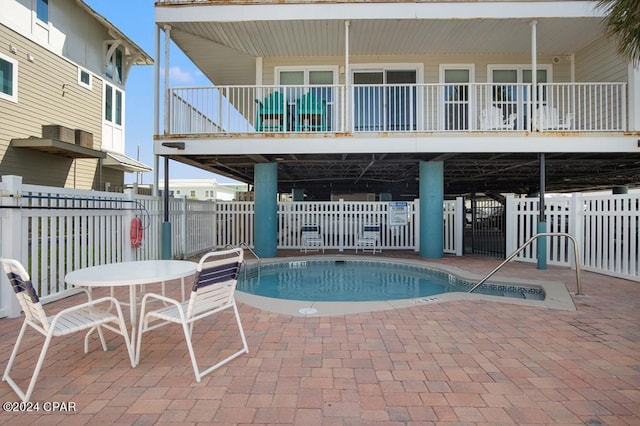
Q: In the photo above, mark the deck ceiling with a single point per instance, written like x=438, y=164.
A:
x=322, y=175
x=226, y=52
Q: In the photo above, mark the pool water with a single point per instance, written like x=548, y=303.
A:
x=357, y=281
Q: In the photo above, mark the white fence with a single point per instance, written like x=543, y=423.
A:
x=53, y=231
x=605, y=226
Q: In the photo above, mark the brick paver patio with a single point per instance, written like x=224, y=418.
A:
x=464, y=362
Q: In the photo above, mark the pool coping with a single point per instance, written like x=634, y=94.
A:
x=557, y=295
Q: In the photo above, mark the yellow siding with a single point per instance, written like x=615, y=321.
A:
x=600, y=62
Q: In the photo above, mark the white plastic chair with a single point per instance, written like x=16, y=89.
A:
x=548, y=118
x=311, y=238
x=369, y=238
x=81, y=317
x=492, y=119
x=212, y=292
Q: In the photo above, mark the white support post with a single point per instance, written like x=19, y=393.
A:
x=127, y=251
x=341, y=222
x=347, y=79
x=416, y=230
x=459, y=226
x=634, y=98
x=11, y=245
x=167, y=45
x=576, y=225
x=156, y=109
x=183, y=225
x=534, y=74
x=511, y=237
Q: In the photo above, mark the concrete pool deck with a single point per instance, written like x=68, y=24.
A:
x=471, y=362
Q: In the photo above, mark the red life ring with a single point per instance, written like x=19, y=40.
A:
x=136, y=232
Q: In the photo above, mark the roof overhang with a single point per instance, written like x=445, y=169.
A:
x=140, y=57
x=57, y=147
x=119, y=161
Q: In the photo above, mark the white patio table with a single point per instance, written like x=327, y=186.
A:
x=132, y=274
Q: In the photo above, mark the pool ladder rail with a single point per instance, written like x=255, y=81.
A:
x=529, y=241
x=246, y=246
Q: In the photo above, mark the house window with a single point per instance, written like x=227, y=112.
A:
x=118, y=107
x=114, y=66
x=42, y=10
x=304, y=81
x=84, y=78
x=193, y=193
x=8, y=78
x=113, y=105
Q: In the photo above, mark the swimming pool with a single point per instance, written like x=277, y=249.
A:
x=331, y=280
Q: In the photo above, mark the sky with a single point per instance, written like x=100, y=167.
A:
x=135, y=18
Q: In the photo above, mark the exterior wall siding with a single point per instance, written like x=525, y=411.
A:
x=600, y=62
x=48, y=93
x=71, y=32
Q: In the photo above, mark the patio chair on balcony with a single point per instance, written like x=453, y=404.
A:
x=311, y=113
x=548, y=118
x=212, y=292
x=94, y=314
x=271, y=113
x=311, y=238
x=493, y=119
x=368, y=239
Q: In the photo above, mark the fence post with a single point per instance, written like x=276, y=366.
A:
x=183, y=226
x=576, y=226
x=341, y=225
x=512, y=218
x=11, y=231
x=416, y=221
x=127, y=250
x=459, y=225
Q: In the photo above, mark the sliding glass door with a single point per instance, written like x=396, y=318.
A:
x=456, y=98
x=384, y=100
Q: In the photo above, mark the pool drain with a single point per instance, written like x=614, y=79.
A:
x=308, y=311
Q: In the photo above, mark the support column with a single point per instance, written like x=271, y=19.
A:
x=266, y=210
x=347, y=79
x=431, y=209
x=156, y=110
x=534, y=74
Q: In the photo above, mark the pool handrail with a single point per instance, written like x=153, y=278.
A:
x=529, y=241
x=244, y=245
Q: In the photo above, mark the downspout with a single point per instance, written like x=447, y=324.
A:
x=347, y=78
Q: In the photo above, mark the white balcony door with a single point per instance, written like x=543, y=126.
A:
x=456, y=97
x=384, y=100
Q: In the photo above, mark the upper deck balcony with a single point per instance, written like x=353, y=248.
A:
x=401, y=108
